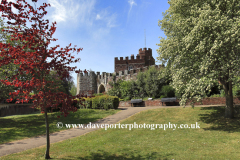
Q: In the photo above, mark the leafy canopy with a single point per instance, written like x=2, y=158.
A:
x=33, y=60
x=202, y=45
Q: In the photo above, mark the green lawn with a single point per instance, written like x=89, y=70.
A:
x=24, y=126
x=217, y=138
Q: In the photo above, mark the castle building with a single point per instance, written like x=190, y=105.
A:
x=144, y=58
x=126, y=69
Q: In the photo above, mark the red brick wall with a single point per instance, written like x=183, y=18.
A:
x=216, y=100
x=144, y=58
x=121, y=65
x=206, y=101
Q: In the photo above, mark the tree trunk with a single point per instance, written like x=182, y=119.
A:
x=47, y=156
x=229, y=110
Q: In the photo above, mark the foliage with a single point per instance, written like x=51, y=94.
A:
x=236, y=88
x=148, y=83
x=87, y=103
x=115, y=91
x=33, y=62
x=73, y=90
x=153, y=84
x=201, y=47
x=167, y=91
x=215, y=88
x=126, y=89
x=98, y=94
x=141, y=84
x=6, y=71
x=102, y=102
x=216, y=95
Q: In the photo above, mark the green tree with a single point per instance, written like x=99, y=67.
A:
x=60, y=85
x=141, y=84
x=73, y=89
x=115, y=90
x=153, y=84
x=126, y=89
x=8, y=70
x=202, y=47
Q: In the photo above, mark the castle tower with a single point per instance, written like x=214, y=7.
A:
x=87, y=83
x=144, y=58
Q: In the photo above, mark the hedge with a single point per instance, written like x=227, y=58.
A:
x=101, y=102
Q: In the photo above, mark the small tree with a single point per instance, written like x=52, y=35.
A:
x=141, y=84
x=152, y=83
x=115, y=90
x=34, y=63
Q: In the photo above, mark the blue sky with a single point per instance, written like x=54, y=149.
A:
x=106, y=29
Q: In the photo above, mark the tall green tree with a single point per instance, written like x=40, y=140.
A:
x=154, y=82
x=73, y=90
x=202, y=46
x=141, y=84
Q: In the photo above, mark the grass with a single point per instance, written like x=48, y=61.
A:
x=24, y=126
x=217, y=138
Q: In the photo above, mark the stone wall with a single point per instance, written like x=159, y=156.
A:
x=125, y=69
x=89, y=83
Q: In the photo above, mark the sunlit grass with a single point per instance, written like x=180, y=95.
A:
x=217, y=138
x=24, y=126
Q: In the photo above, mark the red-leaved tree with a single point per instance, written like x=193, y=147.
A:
x=32, y=57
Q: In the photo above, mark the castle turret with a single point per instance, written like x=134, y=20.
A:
x=144, y=58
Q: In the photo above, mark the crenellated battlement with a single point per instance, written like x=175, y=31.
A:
x=131, y=59
x=145, y=49
x=104, y=75
x=92, y=74
x=144, y=58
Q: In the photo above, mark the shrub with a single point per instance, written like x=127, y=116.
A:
x=115, y=102
x=141, y=84
x=163, y=96
x=98, y=94
x=88, y=103
x=103, y=102
x=167, y=91
x=236, y=90
x=215, y=95
x=95, y=103
x=222, y=93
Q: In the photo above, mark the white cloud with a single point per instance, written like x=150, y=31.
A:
x=111, y=21
x=81, y=12
x=98, y=17
x=108, y=19
x=131, y=3
x=65, y=10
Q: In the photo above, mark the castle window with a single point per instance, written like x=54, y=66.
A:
x=130, y=67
